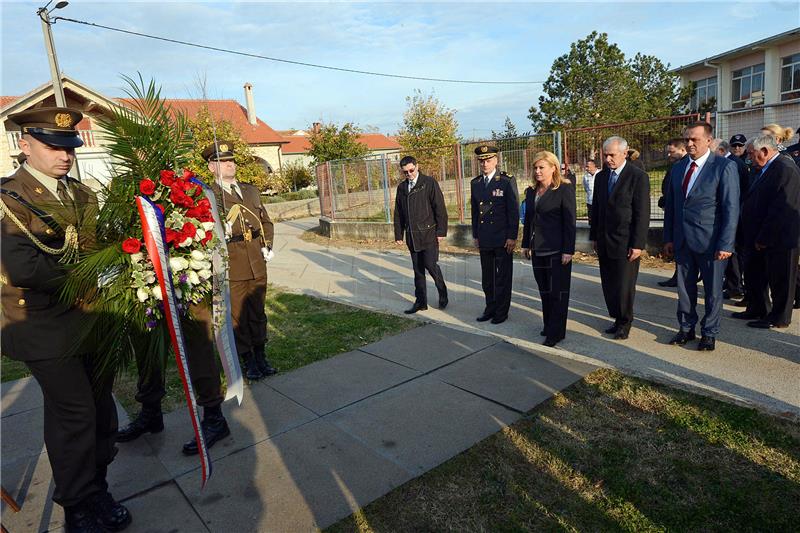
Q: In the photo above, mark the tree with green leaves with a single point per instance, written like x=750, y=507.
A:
x=429, y=129
x=595, y=84
x=330, y=142
x=509, y=132
x=205, y=129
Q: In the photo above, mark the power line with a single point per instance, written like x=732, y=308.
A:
x=289, y=61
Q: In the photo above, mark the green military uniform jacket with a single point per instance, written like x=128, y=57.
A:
x=35, y=324
x=245, y=260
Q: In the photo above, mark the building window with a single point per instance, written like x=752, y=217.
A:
x=790, y=77
x=748, y=87
x=704, y=97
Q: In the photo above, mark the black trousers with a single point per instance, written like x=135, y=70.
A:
x=782, y=281
x=618, y=279
x=733, y=274
x=497, y=271
x=553, y=280
x=757, y=283
x=203, y=367
x=427, y=260
x=248, y=314
x=80, y=424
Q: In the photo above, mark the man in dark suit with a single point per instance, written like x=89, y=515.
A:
x=771, y=226
x=420, y=214
x=620, y=220
x=495, y=227
x=676, y=150
x=41, y=208
x=702, y=209
x=733, y=286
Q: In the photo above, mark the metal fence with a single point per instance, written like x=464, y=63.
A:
x=364, y=189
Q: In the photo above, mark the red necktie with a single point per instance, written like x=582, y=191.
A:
x=685, y=185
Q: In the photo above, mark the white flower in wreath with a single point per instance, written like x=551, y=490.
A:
x=198, y=255
x=207, y=226
x=199, y=234
x=193, y=278
x=142, y=294
x=204, y=274
x=178, y=263
x=137, y=257
x=157, y=294
x=186, y=242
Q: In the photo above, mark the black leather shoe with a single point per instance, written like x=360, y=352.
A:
x=499, y=319
x=484, y=318
x=796, y=304
x=416, y=307
x=741, y=303
x=612, y=329
x=542, y=333
x=214, y=428
x=728, y=295
x=443, y=301
x=111, y=514
x=266, y=368
x=620, y=335
x=746, y=315
x=251, y=369
x=707, y=344
x=766, y=324
x=671, y=282
x=147, y=421
x=550, y=342
x=682, y=338
x=81, y=519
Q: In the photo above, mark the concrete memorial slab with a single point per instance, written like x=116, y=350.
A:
x=429, y=347
x=422, y=423
x=307, y=478
x=512, y=376
x=333, y=383
x=174, y=512
x=263, y=413
x=20, y=395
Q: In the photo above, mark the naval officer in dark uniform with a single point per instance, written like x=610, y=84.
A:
x=495, y=226
x=48, y=218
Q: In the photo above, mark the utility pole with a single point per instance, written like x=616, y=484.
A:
x=50, y=47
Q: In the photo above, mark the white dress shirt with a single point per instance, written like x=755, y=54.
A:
x=700, y=161
x=51, y=184
x=588, y=184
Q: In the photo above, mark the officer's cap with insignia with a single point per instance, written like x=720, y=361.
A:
x=486, y=151
x=51, y=125
x=221, y=151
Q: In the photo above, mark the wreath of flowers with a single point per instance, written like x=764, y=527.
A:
x=189, y=228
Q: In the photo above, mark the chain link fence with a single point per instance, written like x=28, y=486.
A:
x=749, y=121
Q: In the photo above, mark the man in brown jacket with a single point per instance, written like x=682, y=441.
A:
x=47, y=219
x=249, y=234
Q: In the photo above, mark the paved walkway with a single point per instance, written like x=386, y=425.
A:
x=308, y=447
x=753, y=367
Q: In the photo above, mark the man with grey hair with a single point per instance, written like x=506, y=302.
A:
x=702, y=210
x=619, y=222
x=771, y=236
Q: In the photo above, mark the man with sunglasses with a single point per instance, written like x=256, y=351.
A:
x=420, y=215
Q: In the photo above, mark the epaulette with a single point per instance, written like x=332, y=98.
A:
x=43, y=216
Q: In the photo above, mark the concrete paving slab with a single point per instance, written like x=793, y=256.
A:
x=422, y=423
x=263, y=413
x=20, y=395
x=512, y=376
x=174, y=512
x=429, y=347
x=333, y=383
x=307, y=478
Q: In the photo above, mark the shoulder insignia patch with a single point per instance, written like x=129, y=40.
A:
x=38, y=190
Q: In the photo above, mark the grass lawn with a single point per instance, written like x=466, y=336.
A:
x=611, y=453
x=302, y=329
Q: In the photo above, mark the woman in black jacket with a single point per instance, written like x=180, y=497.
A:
x=549, y=238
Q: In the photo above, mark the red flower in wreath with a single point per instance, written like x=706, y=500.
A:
x=131, y=246
x=167, y=177
x=147, y=186
x=188, y=230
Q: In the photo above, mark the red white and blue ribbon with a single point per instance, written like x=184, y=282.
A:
x=221, y=310
x=154, y=237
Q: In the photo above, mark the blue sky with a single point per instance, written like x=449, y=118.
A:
x=465, y=40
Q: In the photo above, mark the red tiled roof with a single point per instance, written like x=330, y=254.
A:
x=231, y=111
x=299, y=144
x=5, y=100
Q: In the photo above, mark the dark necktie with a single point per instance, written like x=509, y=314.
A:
x=485, y=181
x=63, y=194
x=612, y=181
x=685, y=184
x=235, y=191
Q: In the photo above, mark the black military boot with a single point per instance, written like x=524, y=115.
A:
x=264, y=367
x=81, y=519
x=214, y=428
x=149, y=420
x=251, y=369
x=111, y=514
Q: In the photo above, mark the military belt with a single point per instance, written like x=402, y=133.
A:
x=239, y=238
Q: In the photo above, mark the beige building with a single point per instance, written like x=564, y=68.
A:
x=93, y=160
x=750, y=86
x=297, y=145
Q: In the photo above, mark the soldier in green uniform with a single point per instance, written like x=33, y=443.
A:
x=47, y=219
x=249, y=237
x=495, y=225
